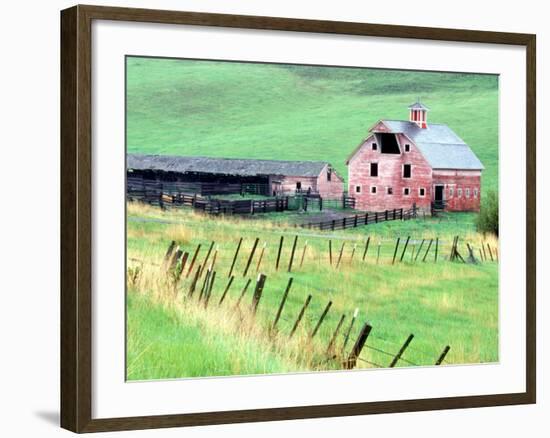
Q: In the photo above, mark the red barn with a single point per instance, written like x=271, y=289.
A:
x=405, y=162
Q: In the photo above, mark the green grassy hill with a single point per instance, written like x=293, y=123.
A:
x=294, y=112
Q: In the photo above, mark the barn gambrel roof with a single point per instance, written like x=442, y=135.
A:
x=439, y=144
x=224, y=166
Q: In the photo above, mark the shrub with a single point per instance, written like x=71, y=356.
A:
x=487, y=221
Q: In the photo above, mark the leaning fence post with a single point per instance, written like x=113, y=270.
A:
x=436, y=248
x=260, y=282
x=335, y=334
x=193, y=284
x=279, y=253
x=351, y=361
x=207, y=256
x=169, y=252
x=292, y=253
x=490, y=252
x=245, y=288
x=193, y=260
x=208, y=292
x=427, y=250
x=235, y=257
x=419, y=249
x=321, y=319
x=405, y=248
x=300, y=316
x=261, y=257
x=353, y=252
x=251, y=256
x=282, y=305
x=229, y=283
x=401, y=351
x=330, y=252
x=346, y=338
x=395, y=251
x=442, y=355
x=340, y=255
x=366, y=248
x=378, y=253
x=303, y=254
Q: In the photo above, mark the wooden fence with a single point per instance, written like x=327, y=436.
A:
x=363, y=219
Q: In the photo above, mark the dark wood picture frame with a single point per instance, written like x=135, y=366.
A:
x=76, y=218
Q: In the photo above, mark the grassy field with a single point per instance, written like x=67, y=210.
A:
x=443, y=303
x=263, y=111
x=245, y=110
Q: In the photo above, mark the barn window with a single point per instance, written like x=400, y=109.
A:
x=373, y=190
x=467, y=193
x=451, y=192
x=422, y=191
x=389, y=190
x=459, y=193
x=388, y=144
x=406, y=191
x=406, y=170
x=329, y=174
x=357, y=189
x=373, y=169
x=298, y=185
x=407, y=147
x=475, y=193
x=374, y=147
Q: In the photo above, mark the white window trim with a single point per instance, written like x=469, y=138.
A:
x=375, y=190
x=420, y=192
x=467, y=192
x=475, y=193
x=459, y=193
x=388, y=189
x=407, y=146
x=370, y=169
x=451, y=192
x=358, y=186
x=406, y=194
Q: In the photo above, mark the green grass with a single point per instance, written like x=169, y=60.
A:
x=440, y=303
x=245, y=110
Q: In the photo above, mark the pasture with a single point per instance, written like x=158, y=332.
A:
x=174, y=334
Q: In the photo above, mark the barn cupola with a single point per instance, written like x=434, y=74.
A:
x=418, y=114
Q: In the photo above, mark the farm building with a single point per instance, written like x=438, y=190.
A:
x=214, y=176
x=405, y=162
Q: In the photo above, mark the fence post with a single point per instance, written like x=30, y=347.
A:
x=442, y=355
x=436, y=248
x=340, y=255
x=335, y=334
x=279, y=253
x=378, y=253
x=169, y=252
x=207, y=256
x=366, y=249
x=292, y=253
x=282, y=305
x=346, y=338
x=366, y=218
x=376, y=217
x=405, y=249
x=208, y=292
x=351, y=362
x=260, y=282
x=330, y=252
x=261, y=257
x=353, y=252
x=251, y=256
x=235, y=257
x=427, y=250
x=193, y=260
x=245, y=288
x=229, y=283
x=320, y=204
x=333, y=223
x=321, y=319
x=355, y=221
x=193, y=284
x=490, y=252
x=386, y=215
x=300, y=316
x=395, y=251
x=401, y=351
x=303, y=254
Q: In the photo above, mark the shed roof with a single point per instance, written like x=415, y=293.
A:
x=224, y=166
x=439, y=144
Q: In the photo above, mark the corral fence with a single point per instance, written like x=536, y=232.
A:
x=363, y=219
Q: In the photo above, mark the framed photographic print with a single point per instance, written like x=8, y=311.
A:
x=270, y=218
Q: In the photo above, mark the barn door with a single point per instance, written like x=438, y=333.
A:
x=439, y=202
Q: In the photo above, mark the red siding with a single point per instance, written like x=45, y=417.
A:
x=457, y=184
x=327, y=189
x=390, y=174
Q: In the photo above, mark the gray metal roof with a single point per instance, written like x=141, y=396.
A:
x=439, y=144
x=224, y=166
x=418, y=105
